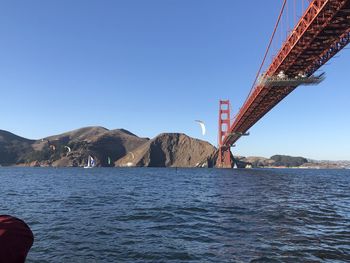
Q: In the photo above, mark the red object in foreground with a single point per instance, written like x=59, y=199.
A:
x=16, y=239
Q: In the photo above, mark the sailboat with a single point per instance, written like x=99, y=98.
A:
x=90, y=163
x=235, y=166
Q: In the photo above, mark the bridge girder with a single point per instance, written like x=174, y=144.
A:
x=322, y=32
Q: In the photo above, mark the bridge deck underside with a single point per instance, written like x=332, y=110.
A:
x=321, y=33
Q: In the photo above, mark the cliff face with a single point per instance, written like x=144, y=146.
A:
x=170, y=150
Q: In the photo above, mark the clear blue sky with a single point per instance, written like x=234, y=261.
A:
x=156, y=66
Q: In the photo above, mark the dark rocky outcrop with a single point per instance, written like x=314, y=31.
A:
x=170, y=150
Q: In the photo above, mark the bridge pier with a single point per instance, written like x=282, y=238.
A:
x=224, y=157
x=224, y=154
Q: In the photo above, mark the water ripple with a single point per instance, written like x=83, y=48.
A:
x=184, y=215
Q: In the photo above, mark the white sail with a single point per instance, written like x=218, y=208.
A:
x=132, y=155
x=68, y=148
x=201, y=123
x=90, y=162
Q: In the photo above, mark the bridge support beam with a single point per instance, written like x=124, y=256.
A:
x=224, y=154
x=224, y=158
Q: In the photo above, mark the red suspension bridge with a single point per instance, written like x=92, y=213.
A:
x=321, y=32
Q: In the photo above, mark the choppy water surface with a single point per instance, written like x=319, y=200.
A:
x=197, y=215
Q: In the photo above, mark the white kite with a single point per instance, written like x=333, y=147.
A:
x=132, y=155
x=202, y=126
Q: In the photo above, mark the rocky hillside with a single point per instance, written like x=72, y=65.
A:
x=73, y=148
x=13, y=148
x=108, y=147
x=122, y=148
x=170, y=150
x=255, y=161
x=288, y=161
x=273, y=161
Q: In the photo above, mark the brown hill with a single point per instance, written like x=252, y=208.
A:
x=13, y=148
x=120, y=146
x=274, y=161
x=99, y=142
x=170, y=150
x=256, y=161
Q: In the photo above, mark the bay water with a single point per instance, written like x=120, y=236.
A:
x=181, y=215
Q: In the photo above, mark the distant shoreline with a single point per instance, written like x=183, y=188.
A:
x=122, y=148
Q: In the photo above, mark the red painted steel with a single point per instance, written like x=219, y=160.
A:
x=322, y=32
x=224, y=154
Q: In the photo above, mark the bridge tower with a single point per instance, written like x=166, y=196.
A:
x=224, y=154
